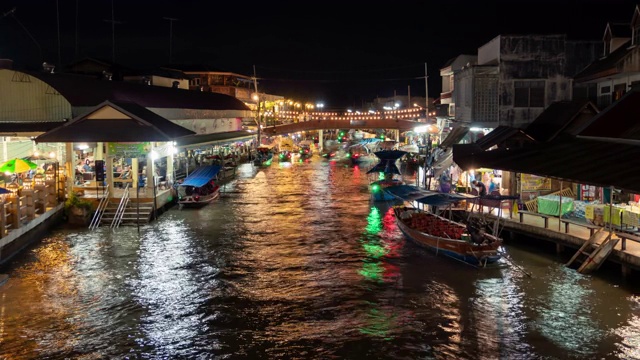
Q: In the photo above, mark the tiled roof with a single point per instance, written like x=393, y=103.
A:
x=141, y=125
x=558, y=117
x=202, y=139
x=83, y=91
x=499, y=135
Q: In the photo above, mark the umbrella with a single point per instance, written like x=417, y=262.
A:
x=37, y=157
x=17, y=166
x=4, y=191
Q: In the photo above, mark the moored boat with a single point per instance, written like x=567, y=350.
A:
x=199, y=188
x=466, y=242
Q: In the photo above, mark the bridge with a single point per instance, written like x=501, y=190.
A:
x=402, y=125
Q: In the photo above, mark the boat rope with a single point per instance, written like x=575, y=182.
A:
x=510, y=261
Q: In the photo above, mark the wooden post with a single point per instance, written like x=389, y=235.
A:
x=3, y=220
x=15, y=212
x=30, y=204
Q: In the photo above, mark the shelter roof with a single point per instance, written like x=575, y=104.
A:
x=618, y=121
x=204, y=139
x=586, y=161
x=14, y=128
x=116, y=121
x=501, y=134
x=454, y=137
x=83, y=91
x=559, y=117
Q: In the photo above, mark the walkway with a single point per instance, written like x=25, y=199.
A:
x=534, y=225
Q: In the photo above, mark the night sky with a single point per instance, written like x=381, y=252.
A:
x=343, y=53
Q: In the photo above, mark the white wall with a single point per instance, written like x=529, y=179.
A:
x=489, y=53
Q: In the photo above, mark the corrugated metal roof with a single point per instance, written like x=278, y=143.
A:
x=619, y=120
x=454, y=137
x=586, y=161
x=143, y=125
x=83, y=91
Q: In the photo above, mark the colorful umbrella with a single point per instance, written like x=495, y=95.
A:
x=17, y=166
x=4, y=191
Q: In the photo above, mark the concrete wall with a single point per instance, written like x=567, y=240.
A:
x=489, y=53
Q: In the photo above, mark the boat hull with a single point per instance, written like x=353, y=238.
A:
x=450, y=241
x=196, y=201
x=378, y=192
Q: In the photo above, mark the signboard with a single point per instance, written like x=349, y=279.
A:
x=534, y=183
x=587, y=192
x=129, y=150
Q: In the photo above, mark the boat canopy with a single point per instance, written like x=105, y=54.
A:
x=201, y=175
x=387, y=162
x=434, y=198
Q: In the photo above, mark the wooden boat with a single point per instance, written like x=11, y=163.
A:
x=387, y=172
x=199, y=188
x=264, y=155
x=468, y=243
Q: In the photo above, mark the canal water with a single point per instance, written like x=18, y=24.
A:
x=294, y=262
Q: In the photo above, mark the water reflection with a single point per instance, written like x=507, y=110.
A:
x=294, y=261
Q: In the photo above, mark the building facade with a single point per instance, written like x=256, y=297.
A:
x=516, y=77
x=608, y=78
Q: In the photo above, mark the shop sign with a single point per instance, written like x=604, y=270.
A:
x=534, y=183
x=129, y=149
x=587, y=192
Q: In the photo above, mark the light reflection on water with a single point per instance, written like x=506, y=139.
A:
x=292, y=262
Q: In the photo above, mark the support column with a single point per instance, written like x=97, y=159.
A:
x=70, y=166
x=320, y=141
x=151, y=171
x=134, y=173
x=108, y=167
x=170, y=175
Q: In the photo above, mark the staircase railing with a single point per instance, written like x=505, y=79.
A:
x=117, y=217
x=97, y=216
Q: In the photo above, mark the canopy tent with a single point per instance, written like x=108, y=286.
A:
x=413, y=193
x=201, y=175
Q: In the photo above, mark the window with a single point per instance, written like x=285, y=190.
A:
x=605, y=89
x=619, y=90
x=529, y=93
x=195, y=82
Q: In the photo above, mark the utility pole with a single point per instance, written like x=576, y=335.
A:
x=171, y=20
x=426, y=86
x=58, y=21
x=113, y=33
x=255, y=86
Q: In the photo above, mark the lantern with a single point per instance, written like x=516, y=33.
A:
x=49, y=175
x=27, y=184
x=14, y=187
x=38, y=180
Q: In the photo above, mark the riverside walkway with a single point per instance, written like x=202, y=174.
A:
x=626, y=253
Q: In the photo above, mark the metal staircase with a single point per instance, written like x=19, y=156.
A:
x=122, y=212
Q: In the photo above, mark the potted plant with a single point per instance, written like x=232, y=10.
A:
x=77, y=209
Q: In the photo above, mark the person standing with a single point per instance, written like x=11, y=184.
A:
x=482, y=188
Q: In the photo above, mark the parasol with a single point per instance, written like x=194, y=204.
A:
x=17, y=166
x=36, y=157
x=4, y=191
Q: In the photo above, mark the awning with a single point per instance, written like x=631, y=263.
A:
x=413, y=193
x=201, y=175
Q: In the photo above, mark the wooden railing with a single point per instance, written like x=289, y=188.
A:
x=532, y=205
